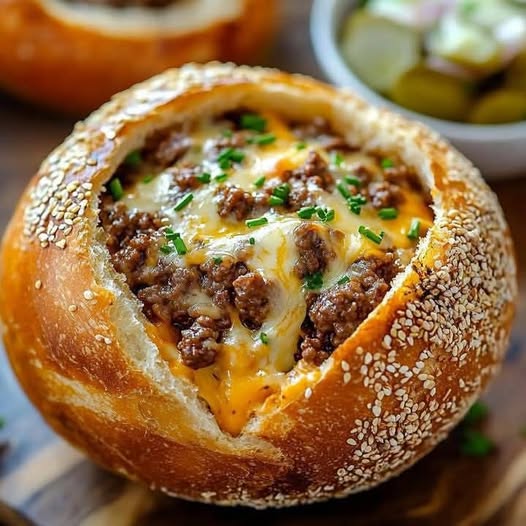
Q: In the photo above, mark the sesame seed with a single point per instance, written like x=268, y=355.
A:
x=88, y=295
x=72, y=308
x=308, y=393
x=345, y=365
x=61, y=244
x=38, y=284
x=346, y=378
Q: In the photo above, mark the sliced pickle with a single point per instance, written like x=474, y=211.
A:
x=378, y=50
x=460, y=41
x=433, y=93
x=499, y=107
x=516, y=73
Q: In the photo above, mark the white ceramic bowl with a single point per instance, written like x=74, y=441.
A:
x=498, y=150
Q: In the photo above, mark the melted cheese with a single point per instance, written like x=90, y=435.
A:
x=249, y=374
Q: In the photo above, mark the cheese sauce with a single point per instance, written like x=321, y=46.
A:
x=269, y=162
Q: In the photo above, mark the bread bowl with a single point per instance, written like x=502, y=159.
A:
x=241, y=286
x=73, y=55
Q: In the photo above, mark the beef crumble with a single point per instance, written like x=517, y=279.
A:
x=337, y=312
x=314, y=253
x=233, y=201
x=252, y=299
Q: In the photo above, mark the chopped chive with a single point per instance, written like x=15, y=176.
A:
x=133, y=158
x=343, y=280
x=252, y=240
x=344, y=191
x=252, y=121
x=353, y=180
x=262, y=140
x=183, y=202
x=355, y=209
x=116, y=189
x=264, y=338
x=301, y=145
x=259, y=182
x=167, y=249
x=414, y=229
x=218, y=260
x=369, y=234
x=282, y=191
x=180, y=246
x=259, y=221
x=476, y=444
x=227, y=133
x=204, y=178
x=148, y=179
x=274, y=200
x=355, y=203
x=387, y=163
x=221, y=178
x=306, y=212
x=325, y=214
x=314, y=281
x=170, y=234
x=388, y=213
x=337, y=159
x=229, y=156
x=477, y=412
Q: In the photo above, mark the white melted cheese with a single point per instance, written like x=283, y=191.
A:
x=247, y=371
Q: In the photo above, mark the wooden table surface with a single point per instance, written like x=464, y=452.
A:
x=53, y=485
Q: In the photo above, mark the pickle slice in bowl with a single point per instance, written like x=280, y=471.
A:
x=379, y=50
x=499, y=107
x=433, y=93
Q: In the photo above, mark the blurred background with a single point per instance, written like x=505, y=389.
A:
x=457, y=65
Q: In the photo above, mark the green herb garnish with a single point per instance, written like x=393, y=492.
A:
x=477, y=412
x=167, y=249
x=353, y=180
x=476, y=444
x=259, y=182
x=180, y=246
x=252, y=121
x=221, y=178
x=388, y=213
x=148, y=179
x=116, y=189
x=337, y=159
x=259, y=221
x=314, y=281
x=387, y=163
x=133, y=158
x=264, y=338
x=282, y=191
x=227, y=133
x=252, y=240
x=301, y=145
x=218, y=260
x=369, y=234
x=343, y=280
x=325, y=214
x=204, y=178
x=262, y=140
x=355, y=203
x=306, y=212
x=229, y=156
x=183, y=202
x=274, y=200
x=414, y=230
x=344, y=191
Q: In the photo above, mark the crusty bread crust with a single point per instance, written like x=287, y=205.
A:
x=74, y=68
x=80, y=345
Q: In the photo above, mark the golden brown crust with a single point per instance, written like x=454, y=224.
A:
x=75, y=68
x=79, y=344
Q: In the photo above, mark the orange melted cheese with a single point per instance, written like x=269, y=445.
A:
x=248, y=374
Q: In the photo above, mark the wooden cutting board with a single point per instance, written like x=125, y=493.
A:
x=51, y=484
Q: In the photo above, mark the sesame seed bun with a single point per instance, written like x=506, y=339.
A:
x=72, y=57
x=82, y=348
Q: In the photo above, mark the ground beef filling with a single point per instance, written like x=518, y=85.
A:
x=167, y=291
x=334, y=314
